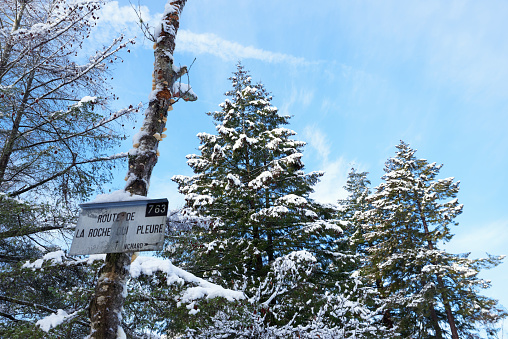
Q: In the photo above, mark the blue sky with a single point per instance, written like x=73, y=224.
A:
x=358, y=77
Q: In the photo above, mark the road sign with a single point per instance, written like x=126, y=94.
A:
x=123, y=226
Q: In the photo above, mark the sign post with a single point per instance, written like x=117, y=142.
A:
x=109, y=291
x=123, y=226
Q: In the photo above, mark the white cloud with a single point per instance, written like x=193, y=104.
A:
x=490, y=238
x=122, y=16
x=115, y=19
x=458, y=43
x=330, y=188
x=302, y=97
x=317, y=140
x=209, y=43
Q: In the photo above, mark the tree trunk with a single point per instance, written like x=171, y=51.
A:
x=107, y=305
x=269, y=229
x=143, y=157
x=446, y=303
x=387, y=314
x=4, y=58
x=258, y=259
x=13, y=133
x=108, y=301
x=435, y=323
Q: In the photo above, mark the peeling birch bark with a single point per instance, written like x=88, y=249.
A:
x=107, y=304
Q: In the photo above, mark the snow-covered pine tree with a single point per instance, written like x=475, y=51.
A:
x=358, y=187
x=429, y=292
x=354, y=244
x=267, y=237
x=249, y=178
x=351, y=243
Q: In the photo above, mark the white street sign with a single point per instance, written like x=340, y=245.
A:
x=123, y=226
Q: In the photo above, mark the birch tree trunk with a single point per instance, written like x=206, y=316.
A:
x=109, y=296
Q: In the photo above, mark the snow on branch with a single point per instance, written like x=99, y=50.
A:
x=329, y=225
x=261, y=180
x=59, y=258
x=55, y=319
x=203, y=288
x=184, y=91
x=293, y=159
x=293, y=199
x=292, y=263
x=141, y=266
x=270, y=212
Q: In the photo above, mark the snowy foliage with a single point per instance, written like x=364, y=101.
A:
x=56, y=135
x=61, y=127
x=266, y=236
x=188, y=289
x=251, y=255
x=428, y=291
x=332, y=315
x=54, y=319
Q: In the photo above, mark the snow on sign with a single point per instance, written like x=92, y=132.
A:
x=123, y=226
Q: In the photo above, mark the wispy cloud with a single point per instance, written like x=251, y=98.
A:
x=317, y=140
x=454, y=43
x=209, y=43
x=479, y=240
x=115, y=19
x=123, y=19
x=303, y=97
x=330, y=188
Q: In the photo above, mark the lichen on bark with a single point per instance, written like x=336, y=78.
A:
x=107, y=304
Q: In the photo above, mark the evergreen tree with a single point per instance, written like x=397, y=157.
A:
x=430, y=293
x=358, y=187
x=266, y=236
x=249, y=178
